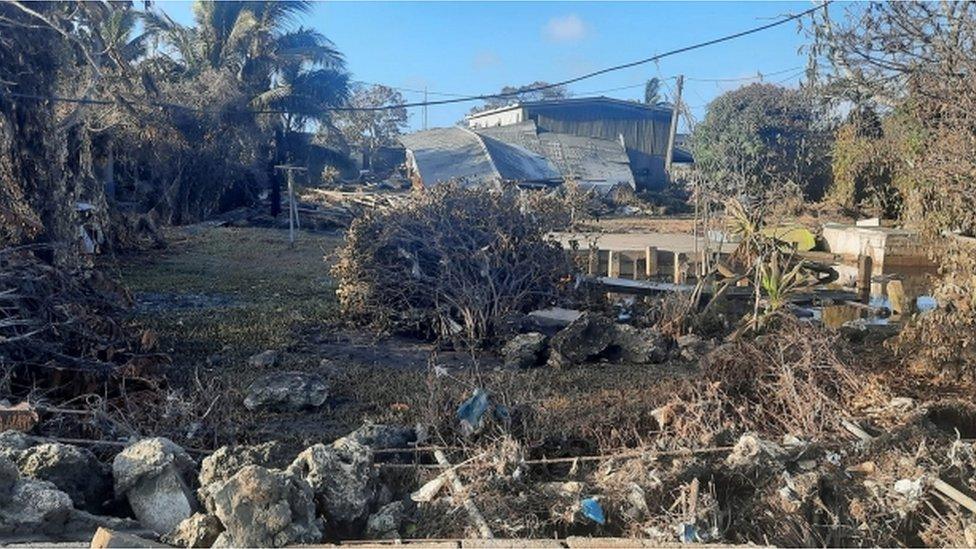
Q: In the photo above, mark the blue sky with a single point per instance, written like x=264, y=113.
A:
x=478, y=47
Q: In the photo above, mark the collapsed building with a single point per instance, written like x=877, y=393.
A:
x=598, y=142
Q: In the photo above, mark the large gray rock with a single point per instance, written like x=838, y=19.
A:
x=341, y=476
x=524, y=350
x=226, y=461
x=154, y=476
x=640, y=346
x=585, y=338
x=385, y=523
x=262, y=507
x=73, y=470
x=378, y=436
x=29, y=506
x=200, y=530
x=286, y=392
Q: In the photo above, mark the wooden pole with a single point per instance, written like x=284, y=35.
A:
x=594, y=261
x=678, y=273
x=650, y=262
x=674, y=127
x=613, y=264
x=864, y=271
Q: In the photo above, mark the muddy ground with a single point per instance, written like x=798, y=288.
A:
x=217, y=295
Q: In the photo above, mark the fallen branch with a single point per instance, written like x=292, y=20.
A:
x=479, y=521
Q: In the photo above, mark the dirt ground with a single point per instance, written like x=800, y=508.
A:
x=217, y=295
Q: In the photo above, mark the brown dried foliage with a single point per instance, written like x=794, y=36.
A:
x=451, y=262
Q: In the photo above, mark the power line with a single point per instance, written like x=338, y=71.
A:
x=759, y=76
x=462, y=99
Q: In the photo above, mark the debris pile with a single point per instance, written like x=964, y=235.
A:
x=452, y=263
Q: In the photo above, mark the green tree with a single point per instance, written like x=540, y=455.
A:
x=762, y=138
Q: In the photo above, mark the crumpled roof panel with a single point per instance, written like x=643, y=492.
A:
x=517, y=152
x=445, y=154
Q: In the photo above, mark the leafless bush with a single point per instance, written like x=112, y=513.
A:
x=62, y=328
x=452, y=262
x=793, y=379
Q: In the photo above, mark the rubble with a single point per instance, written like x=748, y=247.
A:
x=385, y=523
x=286, y=392
x=524, y=350
x=262, y=507
x=383, y=437
x=341, y=476
x=153, y=475
x=29, y=506
x=640, y=346
x=585, y=338
x=263, y=360
x=226, y=461
x=73, y=470
x=199, y=530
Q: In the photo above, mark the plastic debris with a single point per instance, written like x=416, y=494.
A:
x=472, y=411
x=592, y=510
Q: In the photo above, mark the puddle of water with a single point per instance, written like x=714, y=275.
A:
x=903, y=292
x=171, y=301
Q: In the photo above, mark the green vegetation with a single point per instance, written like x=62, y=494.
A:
x=760, y=139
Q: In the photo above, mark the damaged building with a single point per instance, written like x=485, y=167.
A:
x=598, y=142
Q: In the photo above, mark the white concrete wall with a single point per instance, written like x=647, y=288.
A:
x=502, y=118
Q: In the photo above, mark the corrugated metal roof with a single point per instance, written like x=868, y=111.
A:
x=587, y=160
x=517, y=152
x=445, y=154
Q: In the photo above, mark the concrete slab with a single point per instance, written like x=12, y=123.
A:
x=512, y=544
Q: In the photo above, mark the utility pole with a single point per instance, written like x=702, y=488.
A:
x=676, y=109
x=425, y=107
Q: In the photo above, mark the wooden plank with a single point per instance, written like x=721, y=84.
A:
x=109, y=539
x=473, y=513
x=636, y=287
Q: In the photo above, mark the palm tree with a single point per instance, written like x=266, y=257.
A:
x=652, y=92
x=295, y=72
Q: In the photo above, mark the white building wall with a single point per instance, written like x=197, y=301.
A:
x=499, y=118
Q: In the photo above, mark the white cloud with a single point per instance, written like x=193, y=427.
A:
x=485, y=59
x=568, y=28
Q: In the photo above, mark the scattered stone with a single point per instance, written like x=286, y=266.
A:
x=30, y=506
x=584, y=339
x=262, y=507
x=385, y=523
x=378, y=436
x=76, y=471
x=286, y=392
x=73, y=470
x=153, y=476
x=226, y=461
x=264, y=359
x=640, y=346
x=200, y=530
x=692, y=347
x=554, y=318
x=341, y=476
x=524, y=350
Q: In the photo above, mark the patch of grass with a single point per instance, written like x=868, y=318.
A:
x=276, y=291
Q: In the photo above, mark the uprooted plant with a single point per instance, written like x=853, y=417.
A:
x=451, y=263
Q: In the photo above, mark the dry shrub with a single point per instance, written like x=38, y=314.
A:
x=61, y=328
x=792, y=379
x=451, y=262
x=944, y=340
